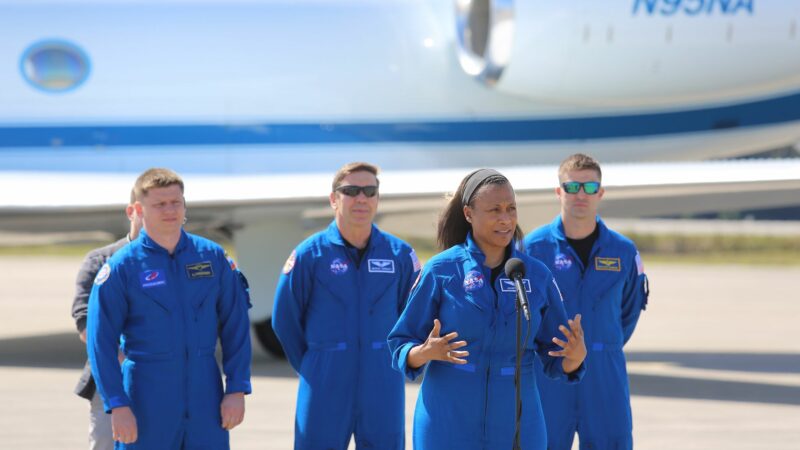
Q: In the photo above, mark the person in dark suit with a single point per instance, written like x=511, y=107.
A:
x=99, y=422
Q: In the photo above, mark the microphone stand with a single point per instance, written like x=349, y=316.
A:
x=517, y=378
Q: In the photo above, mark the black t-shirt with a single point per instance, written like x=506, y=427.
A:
x=583, y=247
x=496, y=271
x=356, y=253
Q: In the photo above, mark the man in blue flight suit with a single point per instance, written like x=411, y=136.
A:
x=163, y=300
x=340, y=294
x=601, y=276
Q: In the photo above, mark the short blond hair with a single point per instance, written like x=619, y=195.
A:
x=352, y=167
x=155, y=178
x=579, y=161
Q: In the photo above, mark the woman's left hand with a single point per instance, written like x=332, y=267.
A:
x=573, y=350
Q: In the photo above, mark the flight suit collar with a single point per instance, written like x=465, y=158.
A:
x=335, y=236
x=477, y=254
x=472, y=247
x=150, y=244
x=557, y=229
x=603, y=238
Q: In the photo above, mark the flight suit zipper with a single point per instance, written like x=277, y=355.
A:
x=495, y=312
x=183, y=342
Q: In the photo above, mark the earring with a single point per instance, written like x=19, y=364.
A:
x=184, y=220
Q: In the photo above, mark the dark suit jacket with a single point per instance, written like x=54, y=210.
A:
x=83, y=287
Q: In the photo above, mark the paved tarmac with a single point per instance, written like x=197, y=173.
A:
x=714, y=363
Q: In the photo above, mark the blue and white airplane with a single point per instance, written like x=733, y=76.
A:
x=257, y=103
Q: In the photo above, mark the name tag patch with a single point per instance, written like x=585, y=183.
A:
x=607, y=264
x=199, y=270
x=152, y=278
x=380, y=265
x=507, y=285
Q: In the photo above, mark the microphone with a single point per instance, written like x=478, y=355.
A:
x=515, y=271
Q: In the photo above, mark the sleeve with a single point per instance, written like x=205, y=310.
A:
x=415, y=323
x=634, y=296
x=107, y=312
x=554, y=315
x=408, y=277
x=234, y=329
x=288, y=313
x=83, y=287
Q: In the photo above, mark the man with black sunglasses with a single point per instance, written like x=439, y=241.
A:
x=341, y=292
x=602, y=278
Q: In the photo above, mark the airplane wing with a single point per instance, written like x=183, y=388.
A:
x=57, y=200
x=266, y=215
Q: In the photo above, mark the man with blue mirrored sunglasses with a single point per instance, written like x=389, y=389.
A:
x=601, y=277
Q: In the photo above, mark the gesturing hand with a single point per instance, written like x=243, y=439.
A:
x=574, y=349
x=438, y=348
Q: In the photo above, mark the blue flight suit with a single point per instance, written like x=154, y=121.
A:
x=169, y=311
x=609, y=294
x=332, y=316
x=471, y=406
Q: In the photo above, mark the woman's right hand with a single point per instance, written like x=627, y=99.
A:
x=438, y=348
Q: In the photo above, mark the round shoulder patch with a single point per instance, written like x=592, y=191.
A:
x=231, y=262
x=102, y=274
x=289, y=264
x=415, y=261
x=639, y=264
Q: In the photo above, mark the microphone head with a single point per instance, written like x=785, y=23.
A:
x=515, y=268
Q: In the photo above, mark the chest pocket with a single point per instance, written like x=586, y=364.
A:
x=329, y=287
x=470, y=314
x=149, y=324
x=507, y=295
x=605, y=289
x=203, y=296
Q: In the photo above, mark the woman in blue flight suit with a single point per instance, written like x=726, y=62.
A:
x=467, y=397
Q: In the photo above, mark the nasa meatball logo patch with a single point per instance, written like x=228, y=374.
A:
x=339, y=266
x=562, y=261
x=473, y=281
x=102, y=275
x=289, y=264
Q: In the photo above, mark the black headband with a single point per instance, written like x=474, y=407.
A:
x=474, y=181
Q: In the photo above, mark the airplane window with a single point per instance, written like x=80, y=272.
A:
x=55, y=66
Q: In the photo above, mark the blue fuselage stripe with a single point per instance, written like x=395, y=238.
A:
x=758, y=113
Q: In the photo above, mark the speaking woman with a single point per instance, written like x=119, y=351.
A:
x=460, y=323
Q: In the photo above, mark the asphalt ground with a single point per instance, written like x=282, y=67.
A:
x=714, y=363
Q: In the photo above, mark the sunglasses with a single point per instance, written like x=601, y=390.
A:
x=353, y=191
x=589, y=187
